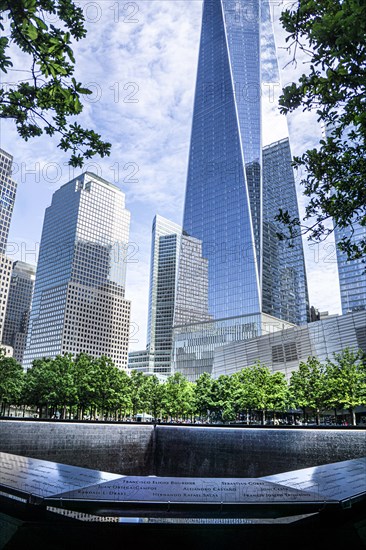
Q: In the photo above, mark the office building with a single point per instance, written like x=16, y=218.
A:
x=7, y=198
x=352, y=273
x=284, y=284
x=18, y=308
x=240, y=277
x=5, y=275
x=166, y=237
x=8, y=189
x=79, y=300
x=165, y=246
x=141, y=361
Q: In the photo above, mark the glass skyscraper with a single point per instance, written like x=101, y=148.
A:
x=352, y=273
x=241, y=281
x=18, y=308
x=165, y=246
x=79, y=300
x=284, y=285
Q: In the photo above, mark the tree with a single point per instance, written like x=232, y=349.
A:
x=106, y=384
x=203, y=395
x=277, y=393
x=138, y=392
x=152, y=394
x=243, y=392
x=61, y=390
x=84, y=379
x=332, y=35
x=50, y=383
x=48, y=96
x=223, y=406
x=124, y=393
x=11, y=381
x=347, y=381
x=38, y=384
x=178, y=396
x=308, y=387
x=263, y=391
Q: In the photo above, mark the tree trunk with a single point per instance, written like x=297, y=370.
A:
x=353, y=415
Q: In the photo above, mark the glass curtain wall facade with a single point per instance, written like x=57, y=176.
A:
x=284, y=350
x=18, y=308
x=284, y=284
x=224, y=204
x=79, y=300
x=165, y=245
x=352, y=273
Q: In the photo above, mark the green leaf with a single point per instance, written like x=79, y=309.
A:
x=31, y=31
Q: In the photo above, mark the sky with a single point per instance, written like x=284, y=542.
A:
x=139, y=58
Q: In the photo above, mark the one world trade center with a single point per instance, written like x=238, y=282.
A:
x=236, y=279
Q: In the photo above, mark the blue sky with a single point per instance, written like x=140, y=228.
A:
x=140, y=60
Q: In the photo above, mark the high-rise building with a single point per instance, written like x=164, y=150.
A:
x=352, y=273
x=284, y=284
x=5, y=276
x=241, y=280
x=165, y=246
x=7, y=198
x=79, y=300
x=18, y=308
x=8, y=189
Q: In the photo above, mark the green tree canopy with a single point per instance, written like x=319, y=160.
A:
x=203, y=398
x=178, y=396
x=346, y=380
x=332, y=35
x=264, y=391
x=152, y=394
x=139, y=396
x=106, y=383
x=223, y=405
x=38, y=384
x=47, y=97
x=308, y=386
x=84, y=371
x=11, y=381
